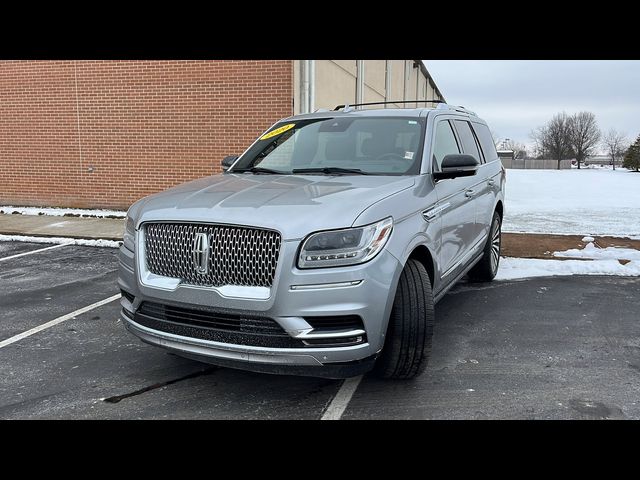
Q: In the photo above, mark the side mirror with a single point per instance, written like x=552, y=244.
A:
x=228, y=161
x=457, y=165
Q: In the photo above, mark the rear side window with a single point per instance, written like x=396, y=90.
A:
x=486, y=142
x=467, y=139
x=445, y=144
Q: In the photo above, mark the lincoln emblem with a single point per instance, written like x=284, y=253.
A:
x=201, y=253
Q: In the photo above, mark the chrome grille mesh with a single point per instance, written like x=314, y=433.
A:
x=239, y=256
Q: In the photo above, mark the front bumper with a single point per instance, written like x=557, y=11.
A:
x=253, y=359
x=365, y=290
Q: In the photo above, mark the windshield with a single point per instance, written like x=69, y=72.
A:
x=333, y=146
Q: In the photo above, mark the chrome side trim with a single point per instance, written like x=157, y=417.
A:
x=432, y=213
x=308, y=334
x=321, y=286
x=299, y=328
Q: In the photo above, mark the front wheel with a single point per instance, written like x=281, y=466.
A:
x=487, y=268
x=408, y=343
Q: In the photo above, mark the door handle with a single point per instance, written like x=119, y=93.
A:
x=469, y=193
x=491, y=182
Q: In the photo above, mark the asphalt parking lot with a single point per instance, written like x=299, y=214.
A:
x=546, y=348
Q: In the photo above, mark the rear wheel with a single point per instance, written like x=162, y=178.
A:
x=408, y=342
x=485, y=270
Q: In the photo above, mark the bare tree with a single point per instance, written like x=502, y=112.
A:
x=584, y=134
x=519, y=149
x=615, y=142
x=555, y=137
x=537, y=135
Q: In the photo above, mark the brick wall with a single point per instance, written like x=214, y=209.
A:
x=142, y=126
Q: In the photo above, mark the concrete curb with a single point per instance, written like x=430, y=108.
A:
x=79, y=228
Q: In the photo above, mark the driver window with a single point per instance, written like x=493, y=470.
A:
x=445, y=144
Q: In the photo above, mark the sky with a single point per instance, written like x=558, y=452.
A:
x=516, y=96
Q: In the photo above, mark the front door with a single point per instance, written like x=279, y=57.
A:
x=455, y=207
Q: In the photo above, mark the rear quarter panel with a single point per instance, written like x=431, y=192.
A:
x=489, y=194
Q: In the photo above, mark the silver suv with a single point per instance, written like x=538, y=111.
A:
x=322, y=249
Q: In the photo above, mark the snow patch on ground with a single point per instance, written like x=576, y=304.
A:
x=573, y=202
x=592, y=252
x=512, y=268
x=61, y=240
x=60, y=212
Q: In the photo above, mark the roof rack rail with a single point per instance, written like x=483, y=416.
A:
x=460, y=108
x=348, y=106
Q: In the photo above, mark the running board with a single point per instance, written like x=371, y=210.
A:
x=443, y=292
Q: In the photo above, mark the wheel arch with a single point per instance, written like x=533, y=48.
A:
x=423, y=255
x=417, y=250
x=500, y=209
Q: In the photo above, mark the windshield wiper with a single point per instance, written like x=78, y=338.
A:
x=329, y=170
x=258, y=170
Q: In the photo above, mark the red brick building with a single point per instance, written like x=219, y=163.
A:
x=102, y=134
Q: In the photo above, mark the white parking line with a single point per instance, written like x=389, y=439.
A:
x=340, y=402
x=35, y=251
x=56, y=321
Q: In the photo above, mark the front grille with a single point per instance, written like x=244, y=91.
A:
x=216, y=326
x=239, y=256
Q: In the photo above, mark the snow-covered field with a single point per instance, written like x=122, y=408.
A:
x=592, y=201
x=587, y=201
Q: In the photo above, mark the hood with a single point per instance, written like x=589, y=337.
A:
x=295, y=205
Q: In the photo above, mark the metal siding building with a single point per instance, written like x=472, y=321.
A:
x=327, y=83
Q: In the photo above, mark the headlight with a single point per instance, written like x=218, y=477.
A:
x=129, y=235
x=345, y=247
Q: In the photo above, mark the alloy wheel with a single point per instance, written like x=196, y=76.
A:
x=495, y=245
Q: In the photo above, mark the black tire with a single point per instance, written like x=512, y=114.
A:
x=407, y=345
x=485, y=270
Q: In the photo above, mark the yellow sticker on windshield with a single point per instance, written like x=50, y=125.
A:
x=278, y=131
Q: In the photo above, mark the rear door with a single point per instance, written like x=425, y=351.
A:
x=490, y=171
x=477, y=182
x=454, y=209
